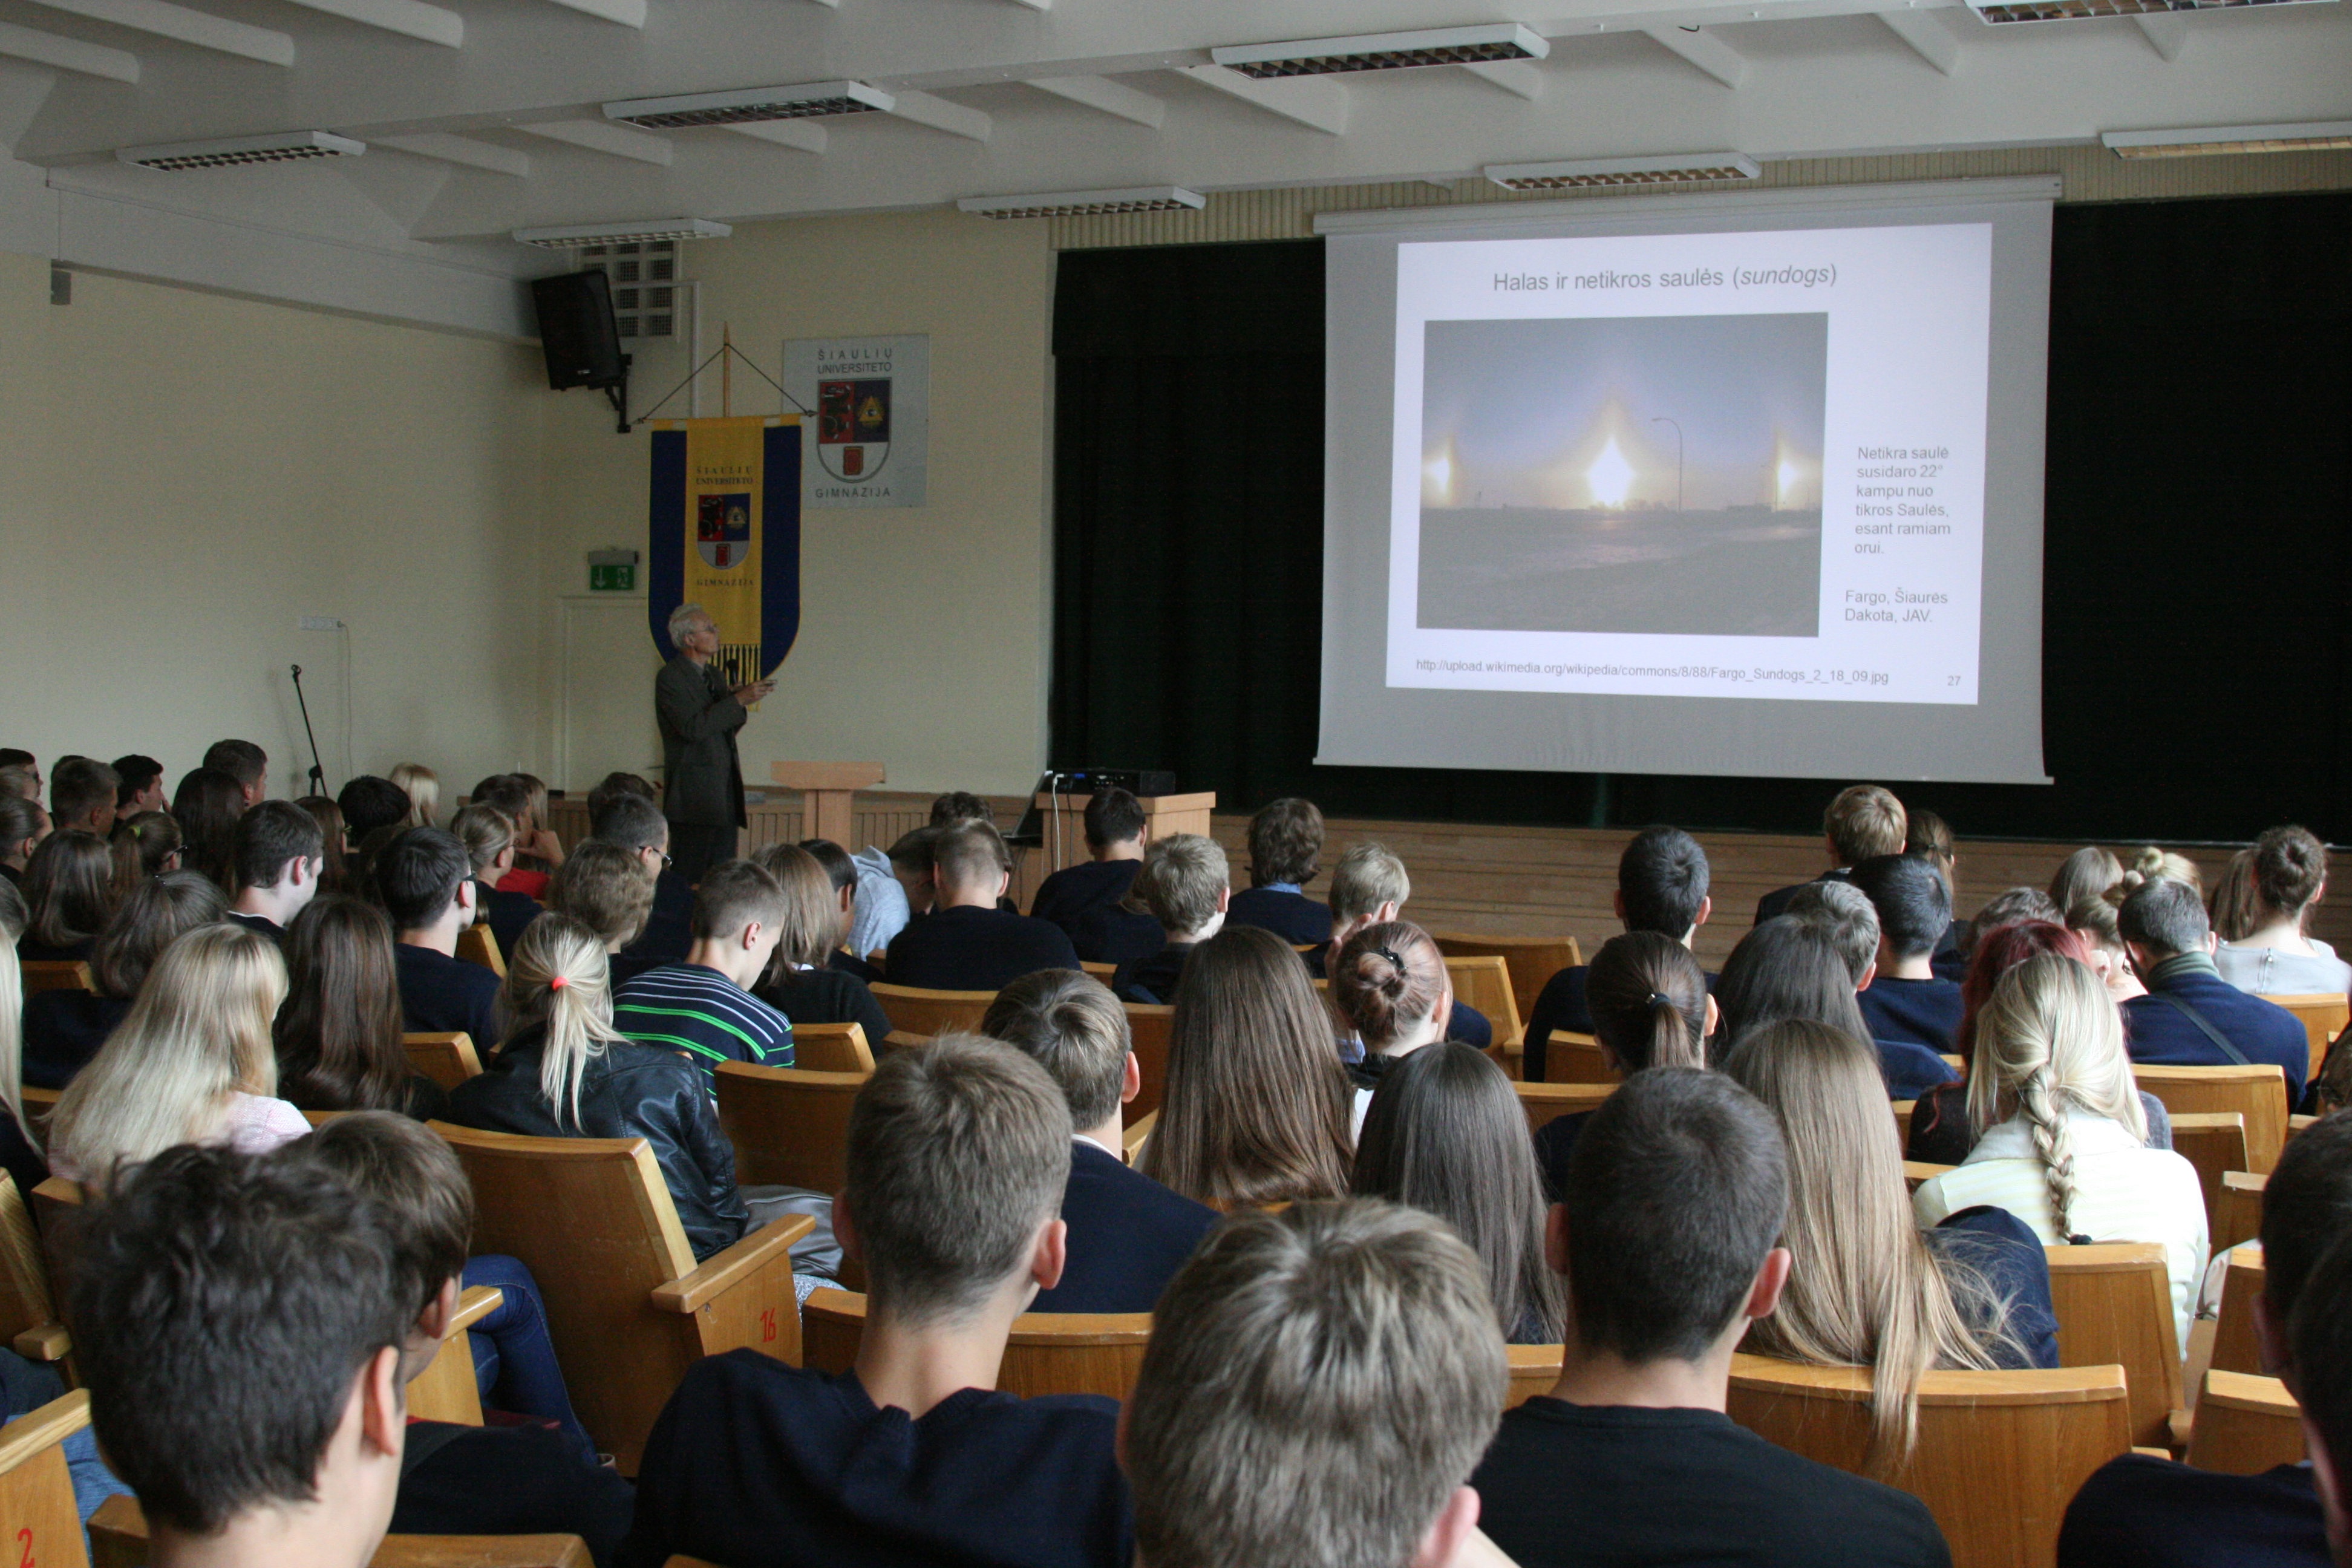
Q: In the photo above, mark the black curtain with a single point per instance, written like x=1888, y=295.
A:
x=2198, y=554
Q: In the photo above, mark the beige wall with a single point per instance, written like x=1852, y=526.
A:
x=923, y=630
x=182, y=475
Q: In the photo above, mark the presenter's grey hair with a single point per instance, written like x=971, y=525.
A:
x=682, y=621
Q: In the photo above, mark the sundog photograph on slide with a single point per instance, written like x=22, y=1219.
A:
x=1637, y=474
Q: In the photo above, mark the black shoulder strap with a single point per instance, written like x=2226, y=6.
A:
x=2212, y=1034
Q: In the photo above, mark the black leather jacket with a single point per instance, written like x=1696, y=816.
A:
x=630, y=1092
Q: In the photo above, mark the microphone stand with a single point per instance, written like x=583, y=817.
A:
x=318, y=773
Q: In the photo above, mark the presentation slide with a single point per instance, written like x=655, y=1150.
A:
x=1719, y=497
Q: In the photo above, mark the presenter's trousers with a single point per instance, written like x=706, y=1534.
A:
x=695, y=847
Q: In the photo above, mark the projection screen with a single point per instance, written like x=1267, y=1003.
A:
x=1742, y=483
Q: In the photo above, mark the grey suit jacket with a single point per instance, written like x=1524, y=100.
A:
x=699, y=718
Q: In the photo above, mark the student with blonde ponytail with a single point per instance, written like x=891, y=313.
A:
x=565, y=1072
x=2065, y=1146
x=1866, y=1287
x=191, y=1062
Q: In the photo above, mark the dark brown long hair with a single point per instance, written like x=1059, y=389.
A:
x=69, y=888
x=1445, y=1134
x=159, y=912
x=1647, y=996
x=338, y=1035
x=206, y=806
x=1256, y=1105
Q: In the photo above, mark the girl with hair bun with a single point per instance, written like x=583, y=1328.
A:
x=565, y=1072
x=2274, y=958
x=1389, y=987
x=2065, y=1143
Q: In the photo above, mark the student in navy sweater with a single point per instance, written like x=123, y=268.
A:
x=2191, y=1016
x=2158, y=1514
x=1184, y=884
x=1088, y=901
x=1286, y=840
x=1321, y=1383
x=1368, y=886
x=959, y=1155
x=1861, y=822
x=1838, y=914
x=281, y=852
x=1661, y=881
x=966, y=942
x=424, y=880
x=1906, y=1000
x=1128, y=1233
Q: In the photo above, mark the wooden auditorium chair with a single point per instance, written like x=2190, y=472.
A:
x=914, y=1011
x=1482, y=981
x=118, y=1538
x=1148, y=1023
x=790, y=1126
x=1543, y=1101
x=2236, y=1347
x=2324, y=1015
x=2239, y=1216
x=1534, y=1370
x=629, y=1308
x=1136, y=1133
x=1049, y=1352
x=1532, y=960
x=832, y=1048
x=448, y=1059
x=2257, y=1091
x=2000, y=1453
x=2113, y=1305
x=38, y=1510
x=56, y=974
x=30, y=1320
x=479, y=944
x=2246, y=1424
x=1577, y=1059
x=2215, y=1143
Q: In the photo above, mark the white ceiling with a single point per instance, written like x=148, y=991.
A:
x=492, y=121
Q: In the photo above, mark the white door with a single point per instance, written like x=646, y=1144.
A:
x=609, y=664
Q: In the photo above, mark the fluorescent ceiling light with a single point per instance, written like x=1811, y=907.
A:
x=1676, y=169
x=1089, y=204
x=283, y=147
x=2076, y=10
x=2308, y=136
x=806, y=101
x=576, y=234
x=1384, y=51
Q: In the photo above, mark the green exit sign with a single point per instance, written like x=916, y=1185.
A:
x=612, y=579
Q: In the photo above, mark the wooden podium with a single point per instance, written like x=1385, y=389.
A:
x=826, y=791
x=1066, y=822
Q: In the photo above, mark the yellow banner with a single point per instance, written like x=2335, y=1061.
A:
x=727, y=529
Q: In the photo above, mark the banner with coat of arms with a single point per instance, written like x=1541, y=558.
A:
x=869, y=443
x=725, y=533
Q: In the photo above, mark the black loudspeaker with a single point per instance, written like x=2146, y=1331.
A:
x=576, y=329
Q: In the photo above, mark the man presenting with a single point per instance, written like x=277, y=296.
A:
x=700, y=713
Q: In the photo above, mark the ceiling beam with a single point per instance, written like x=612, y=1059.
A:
x=627, y=13
x=604, y=136
x=411, y=18
x=444, y=148
x=1518, y=77
x=1705, y=50
x=68, y=53
x=186, y=26
x=940, y=115
x=1101, y=92
x=1928, y=38
x=2167, y=35
x=1311, y=101
x=800, y=135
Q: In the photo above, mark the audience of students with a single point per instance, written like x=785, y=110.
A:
x=337, y=1036
x=371, y=802
x=245, y=762
x=2139, y=1510
x=1318, y=1385
x=1843, y=915
x=1186, y=885
x=703, y=1008
x=2095, y=921
x=279, y=856
x=537, y=851
x=82, y=795
x=1392, y=995
x=2322, y=1350
x=424, y=880
x=882, y=908
x=1127, y=1234
x=1650, y=1008
x=190, y=1063
x=1861, y=822
x=1445, y=1134
x=1668, y=1233
x=1369, y=887
x=2087, y=873
x=2064, y=1140
x=139, y=785
x=910, y=869
x=1285, y=843
x=1866, y=1287
x=1906, y=1000
x=1256, y=1110
x=1088, y=901
x=146, y=845
x=2191, y=1016
x=1929, y=836
x=206, y=806
x=22, y=826
x=1661, y=887
x=2274, y=956
x=338, y=875
x=70, y=894
x=959, y=1156
x=20, y=1146
x=564, y=1072
x=489, y=839
x=634, y=823
x=64, y=1027
x=2236, y=905
x=608, y=890
x=422, y=786
x=842, y=871
x=1790, y=968
x=800, y=983
x=967, y=942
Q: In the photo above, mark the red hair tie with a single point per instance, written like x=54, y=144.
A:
x=558, y=983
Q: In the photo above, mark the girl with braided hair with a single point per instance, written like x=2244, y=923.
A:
x=2065, y=1146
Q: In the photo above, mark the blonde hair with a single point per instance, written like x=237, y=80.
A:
x=1863, y=822
x=197, y=1032
x=2050, y=1040
x=1182, y=876
x=422, y=786
x=486, y=832
x=605, y=888
x=810, y=926
x=2152, y=864
x=2237, y=906
x=12, y=1038
x=1368, y=876
x=1863, y=1289
x=559, y=979
x=2088, y=873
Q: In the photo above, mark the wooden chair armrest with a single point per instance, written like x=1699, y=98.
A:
x=2155, y=1453
x=118, y=1533
x=52, y=1422
x=475, y=1303
x=901, y=1039
x=44, y=1341
x=119, y=1539
x=722, y=1271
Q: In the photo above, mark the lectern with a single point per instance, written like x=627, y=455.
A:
x=1066, y=821
x=827, y=790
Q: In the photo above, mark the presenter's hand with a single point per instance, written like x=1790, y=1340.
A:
x=751, y=691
